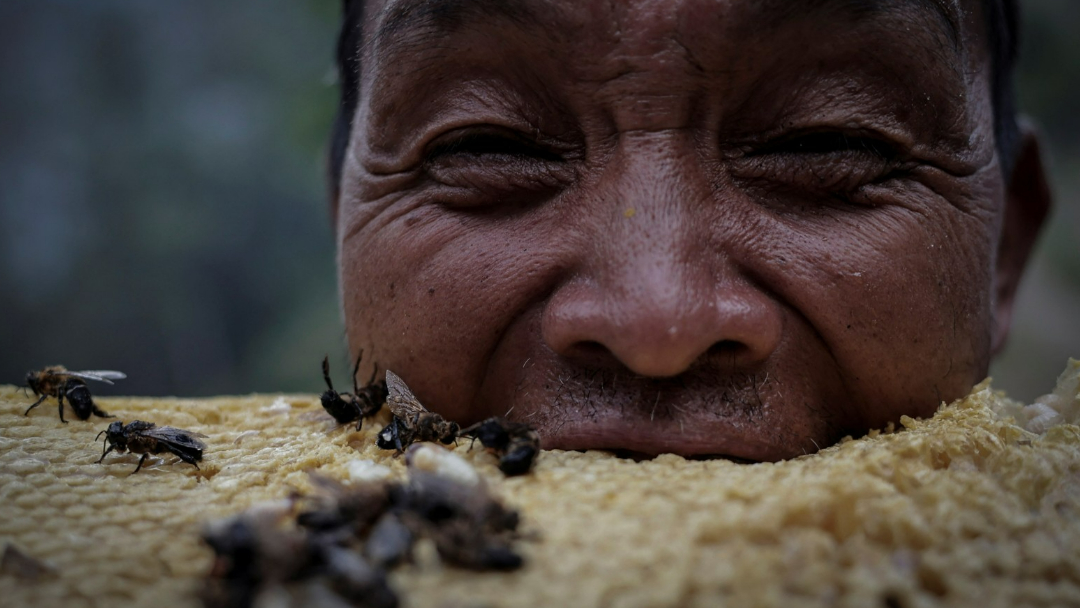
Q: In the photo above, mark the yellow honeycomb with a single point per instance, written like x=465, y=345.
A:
x=967, y=508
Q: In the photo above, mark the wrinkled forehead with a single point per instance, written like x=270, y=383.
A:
x=394, y=26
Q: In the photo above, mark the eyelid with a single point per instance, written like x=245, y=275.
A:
x=830, y=141
x=459, y=140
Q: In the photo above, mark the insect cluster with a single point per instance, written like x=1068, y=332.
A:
x=336, y=546
x=342, y=540
x=137, y=437
x=515, y=443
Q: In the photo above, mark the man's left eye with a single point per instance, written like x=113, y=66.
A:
x=827, y=163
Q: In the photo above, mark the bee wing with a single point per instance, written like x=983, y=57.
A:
x=176, y=437
x=400, y=399
x=101, y=375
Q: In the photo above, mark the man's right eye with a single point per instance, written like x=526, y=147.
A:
x=488, y=143
x=483, y=166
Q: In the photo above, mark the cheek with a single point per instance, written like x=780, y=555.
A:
x=431, y=293
x=899, y=298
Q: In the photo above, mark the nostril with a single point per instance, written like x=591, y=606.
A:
x=728, y=351
x=590, y=352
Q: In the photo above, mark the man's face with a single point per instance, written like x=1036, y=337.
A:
x=708, y=227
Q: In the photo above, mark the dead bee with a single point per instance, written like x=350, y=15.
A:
x=147, y=438
x=339, y=512
x=515, y=443
x=390, y=541
x=253, y=550
x=412, y=422
x=24, y=566
x=361, y=403
x=471, y=529
x=259, y=555
x=57, y=381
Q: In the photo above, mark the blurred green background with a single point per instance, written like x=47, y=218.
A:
x=163, y=201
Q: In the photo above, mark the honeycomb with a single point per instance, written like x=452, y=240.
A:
x=967, y=508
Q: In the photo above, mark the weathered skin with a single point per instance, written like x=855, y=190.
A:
x=723, y=227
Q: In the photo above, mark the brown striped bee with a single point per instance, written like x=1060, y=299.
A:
x=515, y=443
x=361, y=403
x=57, y=381
x=412, y=422
x=147, y=438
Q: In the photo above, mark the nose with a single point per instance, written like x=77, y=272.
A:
x=660, y=287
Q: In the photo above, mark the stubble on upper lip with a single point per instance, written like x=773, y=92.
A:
x=703, y=412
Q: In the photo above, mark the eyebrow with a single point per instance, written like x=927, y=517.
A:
x=405, y=18
x=447, y=16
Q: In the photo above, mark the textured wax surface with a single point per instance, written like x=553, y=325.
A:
x=968, y=508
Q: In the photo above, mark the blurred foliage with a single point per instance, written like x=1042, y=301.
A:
x=163, y=203
x=1046, y=327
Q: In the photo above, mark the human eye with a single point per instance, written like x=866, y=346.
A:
x=485, y=164
x=830, y=164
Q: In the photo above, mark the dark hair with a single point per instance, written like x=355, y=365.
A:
x=1002, y=28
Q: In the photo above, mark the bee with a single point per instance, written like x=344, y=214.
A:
x=57, y=381
x=515, y=443
x=470, y=528
x=253, y=551
x=147, y=438
x=361, y=403
x=340, y=512
x=260, y=556
x=412, y=422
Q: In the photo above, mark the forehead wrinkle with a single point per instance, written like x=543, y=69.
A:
x=946, y=12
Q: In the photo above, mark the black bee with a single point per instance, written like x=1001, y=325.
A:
x=254, y=550
x=470, y=528
x=340, y=512
x=515, y=443
x=361, y=403
x=258, y=552
x=57, y=381
x=412, y=422
x=147, y=438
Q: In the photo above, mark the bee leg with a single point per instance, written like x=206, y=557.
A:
x=105, y=451
x=356, y=368
x=60, y=405
x=397, y=437
x=100, y=413
x=326, y=372
x=36, y=403
x=141, y=460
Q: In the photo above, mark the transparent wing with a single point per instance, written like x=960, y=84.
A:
x=175, y=436
x=101, y=375
x=400, y=399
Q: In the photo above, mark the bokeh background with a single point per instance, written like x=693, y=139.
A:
x=163, y=200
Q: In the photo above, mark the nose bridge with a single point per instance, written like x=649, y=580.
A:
x=653, y=194
x=656, y=289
